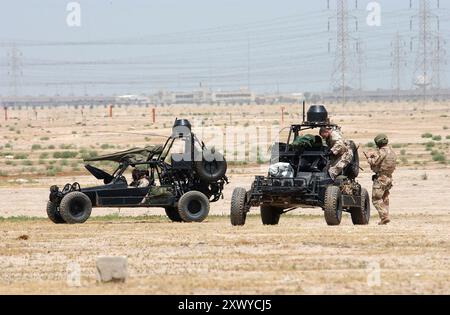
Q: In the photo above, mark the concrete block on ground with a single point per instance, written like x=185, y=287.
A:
x=112, y=269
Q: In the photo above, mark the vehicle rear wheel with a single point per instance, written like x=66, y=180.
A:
x=332, y=205
x=75, y=207
x=53, y=213
x=193, y=206
x=270, y=215
x=238, y=213
x=172, y=213
x=361, y=216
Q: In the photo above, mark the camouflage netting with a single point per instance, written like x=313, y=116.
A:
x=303, y=142
x=134, y=155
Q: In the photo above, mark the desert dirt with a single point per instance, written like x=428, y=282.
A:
x=300, y=256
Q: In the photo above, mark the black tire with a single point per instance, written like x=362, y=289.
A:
x=172, y=213
x=361, y=216
x=238, y=213
x=270, y=215
x=332, y=206
x=75, y=207
x=352, y=170
x=53, y=213
x=211, y=168
x=193, y=206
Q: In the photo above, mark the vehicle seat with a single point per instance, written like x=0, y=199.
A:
x=312, y=160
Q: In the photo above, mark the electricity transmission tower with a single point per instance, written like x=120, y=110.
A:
x=398, y=63
x=430, y=50
x=344, y=67
x=14, y=69
x=438, y=62
x=361, y=62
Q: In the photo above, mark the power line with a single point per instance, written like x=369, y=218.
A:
x=278, y=50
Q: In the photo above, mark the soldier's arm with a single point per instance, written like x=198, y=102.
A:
x=339, y=148
x=143, y=182
x=376, y=159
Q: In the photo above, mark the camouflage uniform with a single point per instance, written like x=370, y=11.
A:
x=342, y=153
x=383, y=163
x=143, y=182
x=157, y=192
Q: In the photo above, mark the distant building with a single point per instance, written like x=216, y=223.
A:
x=234, y=97
x=132, y=99
x=183, y=98
x=203, y=96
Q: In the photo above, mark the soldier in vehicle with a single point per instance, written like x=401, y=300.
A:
x=383, y=163
x=340, y=150
x=140, y=179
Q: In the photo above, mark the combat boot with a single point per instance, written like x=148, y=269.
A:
x=384, y=221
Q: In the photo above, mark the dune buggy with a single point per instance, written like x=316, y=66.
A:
x=308, y=184
x=183, y=183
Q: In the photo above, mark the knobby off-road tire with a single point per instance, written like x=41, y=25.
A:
x=361, y=216
x=211, y=168
x=193, y=206
x=238, y=213
x=75, y=207
x=333, y=206
x=53, y=213
x=172, y=213
x=270, y=215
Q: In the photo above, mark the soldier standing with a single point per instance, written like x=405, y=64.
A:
x=383, y=163
x=341, y=151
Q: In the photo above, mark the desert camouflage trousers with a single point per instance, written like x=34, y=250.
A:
x=156, y=193
x=339, y=163
x=380, y=195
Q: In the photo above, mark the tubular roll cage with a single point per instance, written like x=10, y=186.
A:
x=158, y=163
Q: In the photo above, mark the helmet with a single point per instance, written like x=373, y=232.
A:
x=381, y=140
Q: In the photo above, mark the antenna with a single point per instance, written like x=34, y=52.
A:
x=304, y=105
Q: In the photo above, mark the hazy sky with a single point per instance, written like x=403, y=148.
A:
x=134, y=46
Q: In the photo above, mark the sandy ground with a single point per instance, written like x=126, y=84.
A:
x=302, y=255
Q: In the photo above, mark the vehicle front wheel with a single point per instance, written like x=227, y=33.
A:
x=75, y=207
x=172, y=214
x=53, y=213
x=193, y=206
x=238, y=213
x=361, y=216
x=333, y=206
x=270, y=215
